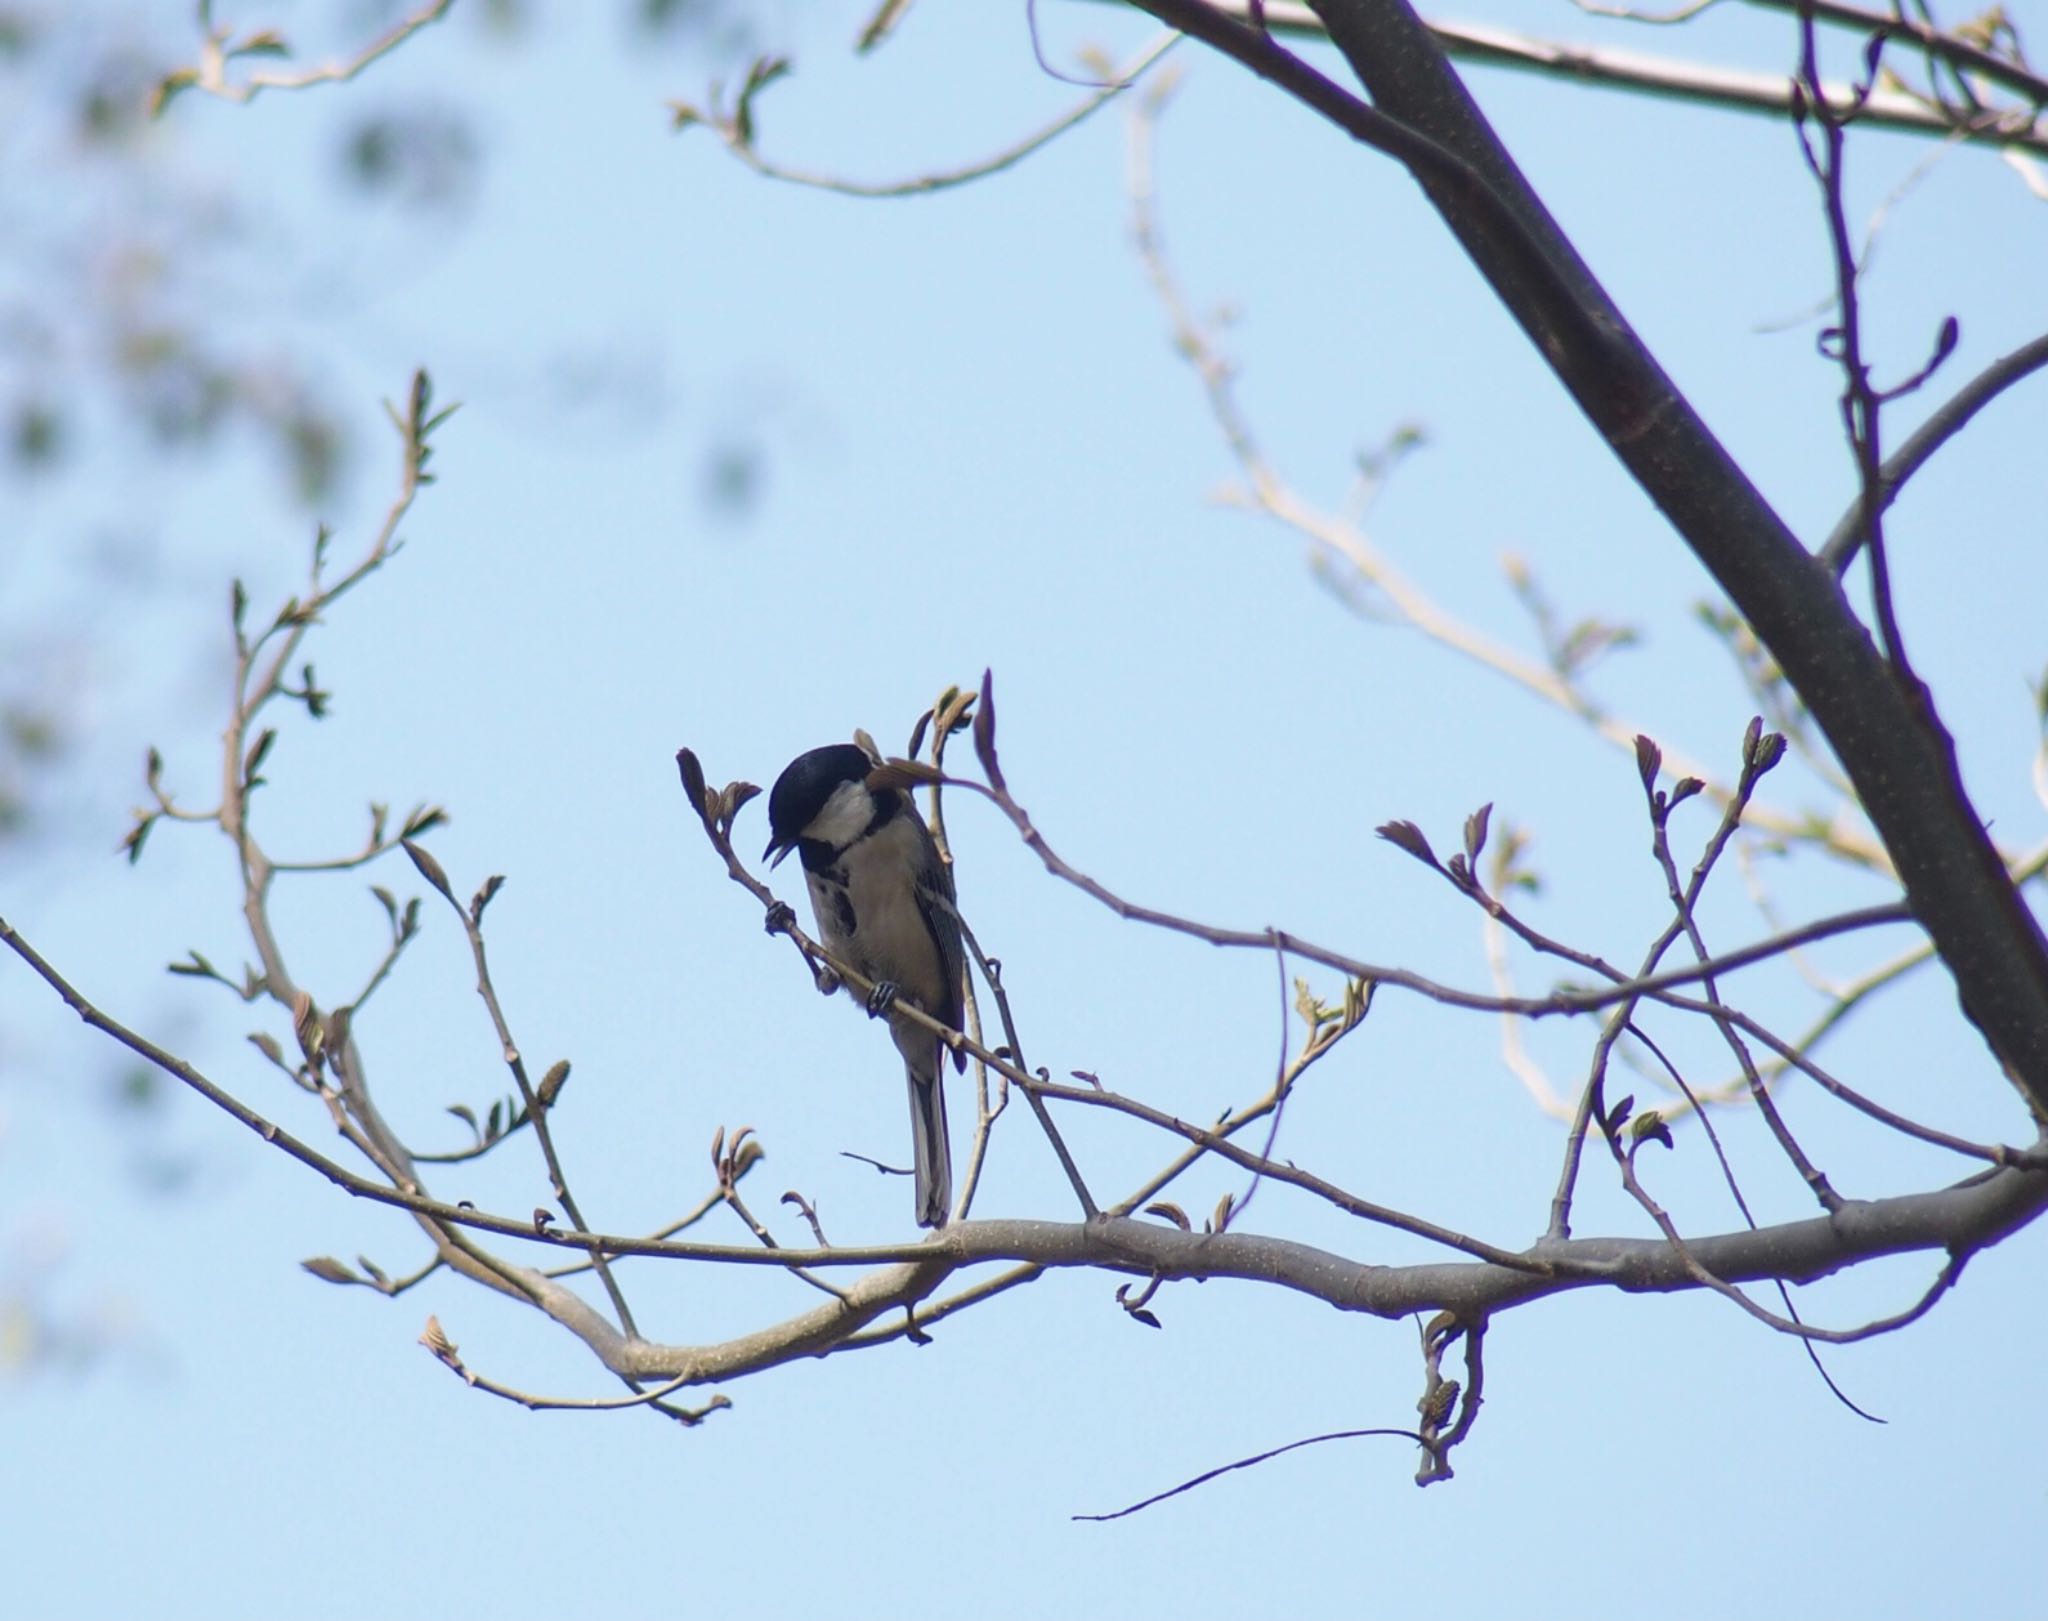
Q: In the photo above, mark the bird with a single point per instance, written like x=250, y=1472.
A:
x=884, y=902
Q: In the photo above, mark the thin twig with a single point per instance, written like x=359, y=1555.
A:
x=732, y=1198
x=737, y=132
x=445, y=1354
x=1279, y=1171
x=470, y=918
x=219, y=49
x=1208, y=1475
x=1949, y=419
x=1335, y=537
x=1685, y=900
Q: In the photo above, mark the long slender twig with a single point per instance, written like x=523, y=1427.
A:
x=1945, y=45
x=210, y=74
x=1734, y=1187
x=944, y=718
x=1756, y=761
x=1949, y=419
x=1564, y=1001
x=1273, y=1170
x=683, y=1223
x=1334, y=536
x=1255, y=1459
x=1861, y=405
x=445, y=1353
x=736, y=130
x=1685, y=899
x=470, y=918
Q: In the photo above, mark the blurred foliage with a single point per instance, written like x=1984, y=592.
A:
x=107, y=339
x=154, y=313
x=418, y=158
x=44, y=1328
x=158, y=315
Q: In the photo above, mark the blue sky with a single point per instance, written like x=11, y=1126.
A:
x=976, y=447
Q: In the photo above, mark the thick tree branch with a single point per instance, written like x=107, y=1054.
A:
x=1957, y=1220
x=1890, y=741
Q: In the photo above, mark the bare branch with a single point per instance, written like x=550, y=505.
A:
x=1888, y=735
x=1208, y=1475
x=536, y=1112
x=1958, y=1220
x=1949, y=419
x=220, y=48
x=734, y=126
x=445, y=1353
x=1336, y=537
x=2014, y=128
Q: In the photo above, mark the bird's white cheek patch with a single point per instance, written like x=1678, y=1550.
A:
x=845, y=816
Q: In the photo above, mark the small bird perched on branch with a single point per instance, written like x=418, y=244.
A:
x=883, y=900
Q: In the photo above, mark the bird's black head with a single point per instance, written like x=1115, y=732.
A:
x=806, y=783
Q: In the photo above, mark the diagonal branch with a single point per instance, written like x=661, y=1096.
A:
x=1890, y=739
x=1949, y=419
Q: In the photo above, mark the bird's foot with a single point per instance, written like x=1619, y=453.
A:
x=883, y=997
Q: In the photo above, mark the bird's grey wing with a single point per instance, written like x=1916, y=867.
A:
x=935, y=903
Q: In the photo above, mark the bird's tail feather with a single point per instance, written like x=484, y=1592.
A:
x=932, y=1150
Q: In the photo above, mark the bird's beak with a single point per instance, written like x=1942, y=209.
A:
x=775, y=852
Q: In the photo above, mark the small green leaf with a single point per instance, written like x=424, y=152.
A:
x=424, y=819
x=1475, y=832
x=1649, y=760
x=482, y=897
x=429, y=868
x=692, y=774
x=763, y=72
x=257, y=755
x=1171, y=1212
x=1650, y=1124
x=136, y=835
x=985, y=732
x=168, y=87
x=1407, y=836
x=307, y=1027
x=265, y=42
